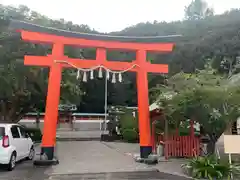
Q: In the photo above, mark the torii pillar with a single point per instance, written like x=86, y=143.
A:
x=59, y=38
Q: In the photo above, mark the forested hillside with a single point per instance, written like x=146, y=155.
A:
x=215, y=37
x=204, y=38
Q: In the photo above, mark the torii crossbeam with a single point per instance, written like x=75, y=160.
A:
x=59, y=38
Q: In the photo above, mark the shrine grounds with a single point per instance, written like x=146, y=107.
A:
x=95, y=160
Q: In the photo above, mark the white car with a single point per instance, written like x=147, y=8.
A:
x=15, y=145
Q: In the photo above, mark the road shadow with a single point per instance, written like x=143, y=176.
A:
x=24, y=170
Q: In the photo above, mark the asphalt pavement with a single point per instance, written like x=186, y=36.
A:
x=26, y=171
x=87, y=160
x=137, y=175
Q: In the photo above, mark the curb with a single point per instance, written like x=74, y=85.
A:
x=114, y=172
x=144, y=174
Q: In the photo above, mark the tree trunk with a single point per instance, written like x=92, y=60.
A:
x=3, y=111
x=211, y=147
x=228, y=130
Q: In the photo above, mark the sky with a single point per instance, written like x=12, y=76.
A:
x=115, y=15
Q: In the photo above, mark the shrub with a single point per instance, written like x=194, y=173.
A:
x=127, y=121
x=35, y=134
x=210, y=168
x=128, y=126
x=130, y=135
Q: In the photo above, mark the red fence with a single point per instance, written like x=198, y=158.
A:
x=180, y=146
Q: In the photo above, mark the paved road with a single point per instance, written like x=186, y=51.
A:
x=92, y=157
x=24, y=171
x=88, y=160
x=147, y=175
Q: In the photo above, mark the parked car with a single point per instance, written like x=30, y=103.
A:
x=16, y=145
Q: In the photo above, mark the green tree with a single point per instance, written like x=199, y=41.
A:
x=198, y=9
x=203, y=97
x=23, y=89
x=214, y=38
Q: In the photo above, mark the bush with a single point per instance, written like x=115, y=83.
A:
x=35, y=134
x=129, y=126
x=127, y=121
x=130, y=135
x=210, y=168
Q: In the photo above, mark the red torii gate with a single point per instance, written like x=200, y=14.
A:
x=59, y=38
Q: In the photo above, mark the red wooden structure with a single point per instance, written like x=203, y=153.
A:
x=182, y=146
x=179, y=146
x=59, y=38
x=174, y=144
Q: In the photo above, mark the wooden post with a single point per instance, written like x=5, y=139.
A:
x=143, y=106
x=153, y=137
x=165, y=137
x=192, y=134
x=192, y=128
x=53, y=96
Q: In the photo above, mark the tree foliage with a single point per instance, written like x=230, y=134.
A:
x=198, y=9
x=214, y=37
x=23, y=89
x=202, y=97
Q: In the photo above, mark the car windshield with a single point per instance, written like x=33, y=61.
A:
x=2, y=132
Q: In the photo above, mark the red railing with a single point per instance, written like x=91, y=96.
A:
x=180, y=146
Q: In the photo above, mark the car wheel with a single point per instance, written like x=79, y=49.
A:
x=31, y=154
x=12, y=162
